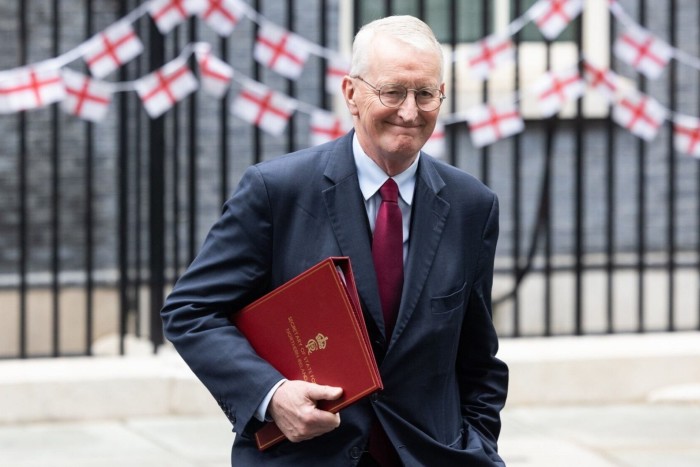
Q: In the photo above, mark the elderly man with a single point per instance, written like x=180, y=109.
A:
x=421, y=236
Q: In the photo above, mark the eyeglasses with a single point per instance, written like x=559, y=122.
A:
x=393, y=95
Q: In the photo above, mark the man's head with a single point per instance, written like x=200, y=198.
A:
x=400, y=50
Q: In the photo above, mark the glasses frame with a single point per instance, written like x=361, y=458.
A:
x=378, y=90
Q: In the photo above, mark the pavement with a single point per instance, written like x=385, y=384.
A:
x=621, y=435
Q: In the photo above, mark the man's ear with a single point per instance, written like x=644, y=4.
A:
x=349, y=94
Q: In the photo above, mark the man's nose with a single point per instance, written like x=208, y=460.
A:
x=408, y=110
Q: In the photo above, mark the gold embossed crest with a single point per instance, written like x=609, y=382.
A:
x=319, y=343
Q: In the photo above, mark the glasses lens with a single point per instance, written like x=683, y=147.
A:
x=392, y=95
x=428, y=98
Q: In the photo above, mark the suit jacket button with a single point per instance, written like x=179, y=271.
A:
x=355, y=452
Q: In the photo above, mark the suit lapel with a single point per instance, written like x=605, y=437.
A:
x=348, y=216
x=428, y=221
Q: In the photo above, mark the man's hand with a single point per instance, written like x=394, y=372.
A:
x=293, y=408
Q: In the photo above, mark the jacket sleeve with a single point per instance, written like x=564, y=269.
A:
x=483, y=378
x=231, y=270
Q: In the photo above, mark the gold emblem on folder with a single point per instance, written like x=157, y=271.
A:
x=319, y=343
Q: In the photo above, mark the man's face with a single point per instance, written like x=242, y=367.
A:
x=393, y=136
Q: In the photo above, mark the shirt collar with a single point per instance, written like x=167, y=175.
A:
x=372, y=177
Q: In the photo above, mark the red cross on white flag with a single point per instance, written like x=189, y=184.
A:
x=85, y=98
x=602, y=80
x=552, y=16
x=281, y=50
x=639, y=113
x=686, y=135
x=645, y=52
x=26, y=88
x=554, y=89
x=326, y=126
x=262, y=106
x=222, y=15
x=215, y=74
x=160, y=90
x=435, y=146
x=489, y=123
x=112, y=48
x=336, y=69
x=489, y=53
x=169, y=13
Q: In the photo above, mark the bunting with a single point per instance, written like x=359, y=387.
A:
x=287, y=53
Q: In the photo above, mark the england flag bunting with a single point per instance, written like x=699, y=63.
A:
x=26, y=88
x=336, y=69
x=214, y=73
x=85, y=97
x=263, y=107
x=639, y=113
x=488, y=54
x=435, y=146
x=326, y=126
x=603, y=80
x=489, y=123
x=112, y=48
x=645, y=52
x=552, y=16
x=554, y=89
x=686, y=135
x=169, y=13
x=281, y=50
x=168, y=85
x=222, y=15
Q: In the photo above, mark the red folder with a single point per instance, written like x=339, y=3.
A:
x=311, y=328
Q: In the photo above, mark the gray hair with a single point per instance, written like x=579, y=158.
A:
x=407, y=29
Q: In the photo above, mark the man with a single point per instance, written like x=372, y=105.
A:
x=443, y=386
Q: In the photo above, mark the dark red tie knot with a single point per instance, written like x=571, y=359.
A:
x=389, y=191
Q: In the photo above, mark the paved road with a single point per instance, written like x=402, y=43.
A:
x=595, y=436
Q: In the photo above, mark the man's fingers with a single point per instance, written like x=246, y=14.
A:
x=317, y=392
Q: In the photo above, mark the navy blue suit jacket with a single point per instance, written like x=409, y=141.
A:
x=444, y=386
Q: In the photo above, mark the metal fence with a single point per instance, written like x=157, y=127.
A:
x=599, y=229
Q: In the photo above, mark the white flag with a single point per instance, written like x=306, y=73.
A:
x=281, y=50
x=222, y=15
x=215, y=74
x=336, y=69
x=160, y=90
x=552, y=16
x=112, y=48
x=263, y=107
x=435, y=146
x=602, y=80
x=326, y=126
x=169, y=13
x=554, y=89
x=639, y=113
x=26, y=88
x=488, y=54
x=85, y=97
x=686, y=135
x=489, y=123
x=645, y=52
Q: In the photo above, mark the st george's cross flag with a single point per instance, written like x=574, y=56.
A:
x=86, y=98
x=603, y=80
x=640, y=114
x=215, y=74
x=686, y=135
x=169, y=13
x=488, y=54
x=552, y=16
x=555, y=88
x=112, y=48
x=27, y=88
x=281, y=50
x=326, y=126
x=491, y=122
x=336, y=69
x=645, y=52
x=267, y=109
x=222, y=15
x=163, y=88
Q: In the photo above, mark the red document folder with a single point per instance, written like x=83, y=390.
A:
x=311, y=328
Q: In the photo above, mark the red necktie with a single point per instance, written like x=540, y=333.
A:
x=387, y=253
